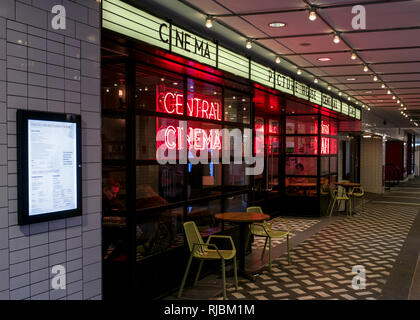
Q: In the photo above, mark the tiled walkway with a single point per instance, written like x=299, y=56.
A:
x=322, y=263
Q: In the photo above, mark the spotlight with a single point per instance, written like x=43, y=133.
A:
x=353, y=56
x=365, y=69
x=375, y=78
x=336, y=39
x=278, y=59
x=248, y=44
x=329, y=87
x=382, y=86
x=316, y=80
x=299, y=71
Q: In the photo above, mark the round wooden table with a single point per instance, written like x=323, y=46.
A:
x=243, y=219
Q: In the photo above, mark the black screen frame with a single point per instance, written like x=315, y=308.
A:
x=22, y=117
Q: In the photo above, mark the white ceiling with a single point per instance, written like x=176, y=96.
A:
x=390, y=45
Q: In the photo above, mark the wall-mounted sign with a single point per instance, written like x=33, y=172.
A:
x=284, y=83
x=192, y=46
x=336, y=105
x=315, y=96
x=352, y=112
x=301, y=90
x=344, y=108
x=326, y=101
x=232, y=62
x=132, y=22
x=49, y=166
x=261, y=74
x=358, y=114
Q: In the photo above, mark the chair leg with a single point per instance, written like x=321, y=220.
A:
x=185, y=276
x=235, y=273
x=265, y=244
x=198, y=272
x=269, y=254
x=224, y=279
x=288, y=250
x=332, y=207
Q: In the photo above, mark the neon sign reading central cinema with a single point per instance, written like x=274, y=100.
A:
x=171, y=101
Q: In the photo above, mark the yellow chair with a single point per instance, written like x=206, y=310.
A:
x=358, y=192
x=207, y=251
x=338, y=198
x=264, y=230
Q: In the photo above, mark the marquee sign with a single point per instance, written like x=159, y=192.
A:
x=125, y=19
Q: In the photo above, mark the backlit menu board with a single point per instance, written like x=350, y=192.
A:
x=49, y=180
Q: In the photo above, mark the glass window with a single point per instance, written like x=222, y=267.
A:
x=274, y=145
x=203, y=215
x=325, y=165
x=236, y=203
x=204, y=100
x=204, y=137
x=113, y=138
x=259, y=136
x=113, y=190
x=159, y=232
x=301, y=187
x=158, y=185
x=114, y=91
x=159, y=91
x=333, y=164
x=235, y=177
x=301, y=125
x=237, y=107
x=301, y=145
x=301, y=166
x=204, y=180
x=299, y=108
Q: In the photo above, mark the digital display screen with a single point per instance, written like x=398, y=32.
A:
x=52, y=166
x=49, y=166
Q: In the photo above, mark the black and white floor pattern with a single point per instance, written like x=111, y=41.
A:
x=322, y=265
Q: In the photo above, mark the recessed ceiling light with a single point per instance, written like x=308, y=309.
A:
x=277, y=24
x=324, y=59
x=368, y=91
x=351, y=79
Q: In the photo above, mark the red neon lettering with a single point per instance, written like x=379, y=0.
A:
x=170, y=143
x=172, y=101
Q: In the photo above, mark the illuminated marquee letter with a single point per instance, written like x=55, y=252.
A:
x=161, y=34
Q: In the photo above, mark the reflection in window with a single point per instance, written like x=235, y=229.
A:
x=204, y=180
x=159, y=91
x=235, y=177
x=160, y=232
x=301, y=187
x=114, y=91
x=158, y=185
x=301, y=125
x=301, y=145
x=113, y=190
x=203, y=215
x=301, y=166
x=237, y=107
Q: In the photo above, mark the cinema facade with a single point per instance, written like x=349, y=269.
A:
x=166, y=86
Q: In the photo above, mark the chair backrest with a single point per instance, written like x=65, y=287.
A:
x=193, y=236
x=254, y=210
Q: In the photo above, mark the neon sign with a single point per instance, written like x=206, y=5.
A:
x=197, y=138
x=171, y=101
x=325, y=128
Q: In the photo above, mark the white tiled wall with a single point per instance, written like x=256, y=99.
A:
x=59, y=71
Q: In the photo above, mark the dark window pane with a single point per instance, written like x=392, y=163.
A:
x=159, y=91
x=114, y=91
x=237, y=107
x=158, y=185
x=301, y=187
x=236, y=203
x=333, y=164
x=160, y=232
x=113, y=138
x=235, y=177
x=203, y=215
x=301, y=166
x=113, y=190
x=204, y=180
